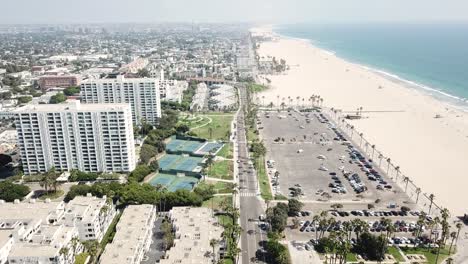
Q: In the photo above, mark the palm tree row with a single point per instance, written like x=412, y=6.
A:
x=314, y=100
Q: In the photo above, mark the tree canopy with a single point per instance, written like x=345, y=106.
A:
x=58, y=98
x=10, y=191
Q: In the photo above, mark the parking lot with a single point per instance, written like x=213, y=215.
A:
x=310, y=153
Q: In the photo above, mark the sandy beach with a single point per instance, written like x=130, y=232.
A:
x=433, y=152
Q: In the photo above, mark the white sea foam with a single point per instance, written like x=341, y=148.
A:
x=457, y=102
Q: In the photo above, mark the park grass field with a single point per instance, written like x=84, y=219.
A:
x=431, y=254
x=263, y=179
x=218, y=129
x=226, y=151
x=216, y=202
x=222, y=170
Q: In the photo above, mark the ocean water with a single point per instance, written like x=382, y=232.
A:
x=433, y=58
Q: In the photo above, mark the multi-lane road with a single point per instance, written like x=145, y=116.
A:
x=250, y=204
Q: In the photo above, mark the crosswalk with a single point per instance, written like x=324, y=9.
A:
x=246, y=194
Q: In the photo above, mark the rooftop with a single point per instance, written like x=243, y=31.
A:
x=195, y=227
x=132, y=230
x=72, y=106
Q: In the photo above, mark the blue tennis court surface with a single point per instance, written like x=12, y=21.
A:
x=162, y=179
x=208, y=147
x=182, y=146
x=173, y=182
x=179, y=163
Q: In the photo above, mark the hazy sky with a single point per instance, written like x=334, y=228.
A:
x=271, y=11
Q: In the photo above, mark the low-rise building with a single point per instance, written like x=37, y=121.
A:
x=91, y=215
x=48, y=232
x=194, y=228
x=133, y=236
x=60, y=81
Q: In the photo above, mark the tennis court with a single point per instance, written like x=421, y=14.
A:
x=208, y=147
x=182, y=146
x=179, y=163
x=173, y=182
x=162, y=179
x=183, y=183
x=167, y=162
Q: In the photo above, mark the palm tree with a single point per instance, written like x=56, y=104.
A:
x=431, y=199
x=47, y=180
x=431, y=224
x=277, y=100
x=75, y=241
x=92, y=247
x=315, y=220
x=453, y=236
x=282, y=105
x=406, y=180
x=397, y=169
x=388, y=164
x=373, y=150
x=213, y=244
x=295, y=222
x=234, y=191
x=380, y=159
x=418, y=191
x=297, y=100
x=459, y=227
x=440, y=244
x=361, y=135
x=64, y=251
x=352, y=131
x=234, y=252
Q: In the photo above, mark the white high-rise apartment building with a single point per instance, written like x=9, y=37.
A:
x=142, y=93
x=87, y=137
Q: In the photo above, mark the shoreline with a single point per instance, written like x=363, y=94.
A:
x=457, y=102
x=430, y=150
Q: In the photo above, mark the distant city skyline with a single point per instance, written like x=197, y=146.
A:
x=259, y=11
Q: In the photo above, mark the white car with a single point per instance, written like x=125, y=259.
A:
x=322, y=157
x=323, y=168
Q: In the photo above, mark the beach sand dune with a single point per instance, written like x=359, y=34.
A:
x=433, y=152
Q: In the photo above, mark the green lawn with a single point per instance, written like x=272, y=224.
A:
x=194, y=121
x=396, y=254
x=81, y=258
x=51, y=195
x=215, y=202
x=263, y=179
x=256, y=88
x=226, y=151
x=222, y=187
x=222, y=170
x=251, y=136
x=280, y=197
x=350, y=257
x=430, y=254
x=227, y=261
x=218, y=129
